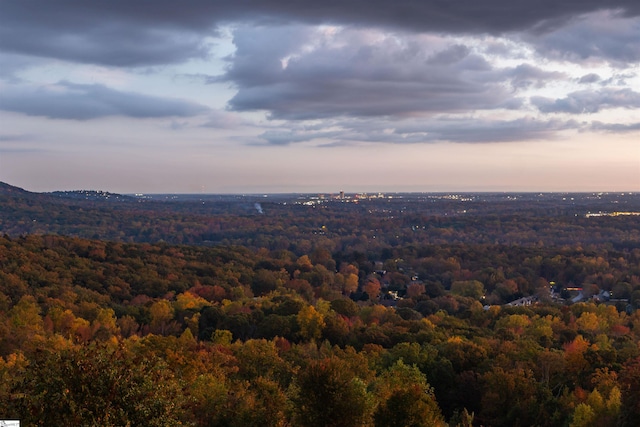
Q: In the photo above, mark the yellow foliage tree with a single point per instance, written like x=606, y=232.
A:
x=311, y=323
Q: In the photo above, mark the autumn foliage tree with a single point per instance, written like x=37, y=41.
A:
x=327, y=393
x=96, y=385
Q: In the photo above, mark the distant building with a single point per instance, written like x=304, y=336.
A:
x=522, y=302
x=578, y=298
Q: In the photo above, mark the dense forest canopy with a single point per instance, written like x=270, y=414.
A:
x=345, y=310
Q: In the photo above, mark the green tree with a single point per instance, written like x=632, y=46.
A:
x=468, y=288
x=97, y=385
x=326, y=393
x=25, y=328
x=407, y=400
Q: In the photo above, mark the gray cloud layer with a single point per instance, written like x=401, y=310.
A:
x=587, y=101
x=615, y=128
x=82, y=102
x=346, y=74
x=407, y=83
x=135, y=33
x=603, y=36
x=412, y=131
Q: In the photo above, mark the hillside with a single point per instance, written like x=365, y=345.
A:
x=403, y=309
x=228, y=336
x=294, y=222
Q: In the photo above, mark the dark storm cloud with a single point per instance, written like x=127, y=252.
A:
x=299, y=73
x=82, y=102
x=588, y=101
x=134, y=33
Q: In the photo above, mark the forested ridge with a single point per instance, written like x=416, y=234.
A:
x=327, y=316
x=301, y=222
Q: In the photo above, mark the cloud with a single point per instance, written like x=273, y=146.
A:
x=470, y=130
x=21, y=150
x=618, y=79
x=99, y=33
x=12, y=65
x=18, y=143
x=588, y=101
x=526, y=75
x=303, y=73
x=15, y=137
x=600, y=36
x=217, y=119
x=413, y=131
x=67, y=100
x=131, y=33
x=334, y=72
x=286, y=137
x=615, y=127
x=589, y=78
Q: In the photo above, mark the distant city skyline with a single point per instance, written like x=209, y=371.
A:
x=317, y=97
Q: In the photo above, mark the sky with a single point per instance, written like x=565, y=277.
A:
x=272, y=96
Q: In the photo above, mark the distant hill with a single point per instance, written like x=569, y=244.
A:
x=297, y=222
x=10, y=189
x=73, y=213
x=103, y=215
x=16, y=197
x=92, y=195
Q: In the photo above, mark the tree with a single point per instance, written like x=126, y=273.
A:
x=406, y=399
x=597, y=411
x=408, y=407
x=311, y=323
x=259, y=358
x=97, y=385
x=468, y=288
x=327, y=394
x=161, y=315
x=304, y=263
x=345, y=307
x=510, y=398
x=25, y=327
x=372, y=288
x=630, y=388
x=415, y=289
x=350, y=283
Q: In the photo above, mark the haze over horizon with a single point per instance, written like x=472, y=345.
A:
x=273, y=97
x=333, y=193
